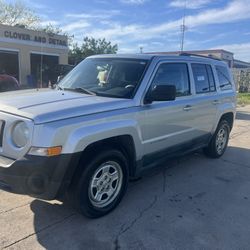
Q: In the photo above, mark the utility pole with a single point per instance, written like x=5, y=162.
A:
x=183, y=27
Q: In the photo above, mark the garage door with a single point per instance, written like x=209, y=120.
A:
x=9, y=63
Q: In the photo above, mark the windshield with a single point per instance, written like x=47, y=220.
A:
x=111, y=77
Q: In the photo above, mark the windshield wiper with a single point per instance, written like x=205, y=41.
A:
x=58, y=87
x=81, y=90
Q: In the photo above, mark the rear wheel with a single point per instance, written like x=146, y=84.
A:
x=102, y=184
x=219, y=141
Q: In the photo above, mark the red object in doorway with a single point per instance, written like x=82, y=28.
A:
x=8, y=83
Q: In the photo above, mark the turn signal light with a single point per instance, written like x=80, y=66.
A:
x=52, y=151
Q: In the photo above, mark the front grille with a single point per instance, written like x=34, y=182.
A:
x=2, y=124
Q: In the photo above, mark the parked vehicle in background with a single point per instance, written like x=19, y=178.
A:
x=8, y=83
x=109, y=119
x=61, y=70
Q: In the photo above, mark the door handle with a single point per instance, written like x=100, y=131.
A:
x=187, y=108
x=216, y=102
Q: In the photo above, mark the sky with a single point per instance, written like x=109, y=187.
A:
x=153, y=24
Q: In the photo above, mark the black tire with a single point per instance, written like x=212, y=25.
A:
x=212, y=150
x=82, y=189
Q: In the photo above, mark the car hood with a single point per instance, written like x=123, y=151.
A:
x=47, y=105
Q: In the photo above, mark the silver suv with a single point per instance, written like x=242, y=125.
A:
x=109, y=119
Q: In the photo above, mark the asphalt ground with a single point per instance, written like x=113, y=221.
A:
x=190, y=203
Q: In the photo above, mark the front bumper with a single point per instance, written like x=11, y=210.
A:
x=41, y=177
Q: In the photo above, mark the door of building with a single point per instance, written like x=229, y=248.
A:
x=9, y=63
x=42, y=69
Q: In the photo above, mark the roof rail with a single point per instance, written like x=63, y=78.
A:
x=209, y=56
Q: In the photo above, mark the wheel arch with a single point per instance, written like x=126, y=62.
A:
x=229, y=117
x=123, y=143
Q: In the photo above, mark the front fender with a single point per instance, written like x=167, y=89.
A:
x=82, y=137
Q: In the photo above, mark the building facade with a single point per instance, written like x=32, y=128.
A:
x=241, y=64
x=31, y=56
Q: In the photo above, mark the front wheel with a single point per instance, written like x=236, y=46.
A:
x=219, y=141
x=102, y=184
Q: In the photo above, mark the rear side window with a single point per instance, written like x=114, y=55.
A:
x=203, y=78
x=224, y=78
x=173, y=74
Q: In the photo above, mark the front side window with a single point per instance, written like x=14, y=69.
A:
x=110, y=77
x=224, y=78
x=173, y=74
x=203, y=78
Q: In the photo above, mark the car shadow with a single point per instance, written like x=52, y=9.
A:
x=163, y=197
x=240, y=115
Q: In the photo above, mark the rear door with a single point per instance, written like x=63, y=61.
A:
x=205, y=99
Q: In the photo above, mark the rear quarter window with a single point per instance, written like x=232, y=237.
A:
x=224, y=78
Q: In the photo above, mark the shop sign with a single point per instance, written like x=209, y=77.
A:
x=38, y=39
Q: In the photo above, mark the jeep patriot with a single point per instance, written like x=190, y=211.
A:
x=109, y=119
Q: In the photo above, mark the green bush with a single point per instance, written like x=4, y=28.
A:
x=243, y=98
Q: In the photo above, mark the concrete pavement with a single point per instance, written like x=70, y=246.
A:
x=194, y=203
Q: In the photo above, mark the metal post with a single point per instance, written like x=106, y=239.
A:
x=183, y=27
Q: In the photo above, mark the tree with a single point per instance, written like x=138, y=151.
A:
x=17, y=14
x=91, y=46
x=75, y=54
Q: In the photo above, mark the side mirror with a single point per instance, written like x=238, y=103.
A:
x=161, y=93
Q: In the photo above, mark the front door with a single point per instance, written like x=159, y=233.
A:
x=169, y=124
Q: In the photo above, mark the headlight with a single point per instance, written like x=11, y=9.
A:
x=20, y=134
